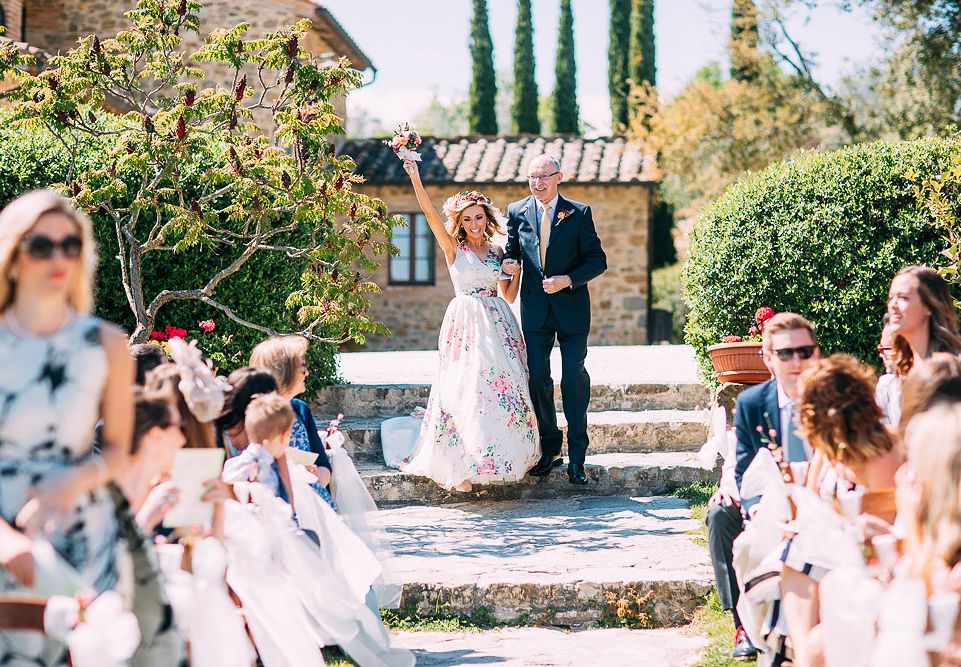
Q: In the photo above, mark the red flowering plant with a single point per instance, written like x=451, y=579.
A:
x=754, y=334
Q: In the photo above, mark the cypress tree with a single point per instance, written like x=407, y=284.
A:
x=743, y=44
x=524, y=109
x=642, y=67
x=564, y=100
x=481, y=115
x=617, y=57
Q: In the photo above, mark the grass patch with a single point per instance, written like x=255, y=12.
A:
x=335, y=657
x=713, y=622
x=710, y=620
x=410, y=620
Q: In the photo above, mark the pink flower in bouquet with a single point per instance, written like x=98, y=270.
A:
x=486, y=467
x=207, y=325
x=396, y=143
x=405, y=135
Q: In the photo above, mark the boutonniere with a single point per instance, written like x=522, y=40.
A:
x=563, y=214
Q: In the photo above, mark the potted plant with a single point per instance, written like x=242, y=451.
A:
x=738, y=359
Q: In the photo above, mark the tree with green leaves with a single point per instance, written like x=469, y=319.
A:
x=481, y=108
x=565, y=117
x=744, y=39
x=617, y=58
x=185, y=171
x=642, y=68
x=524, y=109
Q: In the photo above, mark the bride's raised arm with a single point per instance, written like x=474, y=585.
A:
x=445, y=240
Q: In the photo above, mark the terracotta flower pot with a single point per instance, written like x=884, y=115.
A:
x=739, y=362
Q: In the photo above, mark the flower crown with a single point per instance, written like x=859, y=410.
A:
x=462, y=200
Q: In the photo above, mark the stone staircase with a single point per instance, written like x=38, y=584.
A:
x=542, y=551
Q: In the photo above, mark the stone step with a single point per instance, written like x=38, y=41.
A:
x=366, y=400
x=620, y=647
x=608, y=474
x=609, y=432
x=560, y=561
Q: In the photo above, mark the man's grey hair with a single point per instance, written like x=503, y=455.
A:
x=545, y=157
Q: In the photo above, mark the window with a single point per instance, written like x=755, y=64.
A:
x=415, y=263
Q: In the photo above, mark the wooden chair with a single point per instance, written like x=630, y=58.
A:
x=23, y=614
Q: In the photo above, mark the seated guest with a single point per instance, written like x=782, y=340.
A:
x=141, y=503
x=245, y=383
x=789, y=346
x=146, y=357
x=267, y=423
x=931, y=382
x=921, y=317
x=839, y=418
x=285, y=358
x=766, y=413
x=888, y=391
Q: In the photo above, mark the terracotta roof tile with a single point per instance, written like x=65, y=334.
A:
x=505, y=159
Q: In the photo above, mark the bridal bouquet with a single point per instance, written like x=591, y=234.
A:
x=405, y=143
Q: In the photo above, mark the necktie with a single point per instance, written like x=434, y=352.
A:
x=795, y=446
x=545, y=233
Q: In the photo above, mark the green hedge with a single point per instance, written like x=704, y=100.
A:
x=30, y=160
x=821, y=234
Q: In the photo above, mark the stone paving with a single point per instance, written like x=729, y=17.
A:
x=526, y=558
x=552, y=647
x=606, y=365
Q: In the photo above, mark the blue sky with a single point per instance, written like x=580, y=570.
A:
x=428, y=54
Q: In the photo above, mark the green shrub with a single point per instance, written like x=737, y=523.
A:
x=30, y=160
x=668, y=294
x=821, y=234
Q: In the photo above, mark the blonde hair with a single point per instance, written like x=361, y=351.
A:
x=268, y=416
x=786, y=322
x=19, y=217
x=933, y=440
x=454, y=209
x=281, y=356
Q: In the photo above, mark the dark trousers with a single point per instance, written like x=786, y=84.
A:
x=724, y=524
x=575, y=388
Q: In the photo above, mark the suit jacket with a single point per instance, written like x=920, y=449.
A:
x=574, y=250
x=755, y=407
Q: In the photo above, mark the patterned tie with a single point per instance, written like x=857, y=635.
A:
x=795, y=445
x=545, y=233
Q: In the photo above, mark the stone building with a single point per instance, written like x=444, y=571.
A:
x=54, y=25
x=612, y=175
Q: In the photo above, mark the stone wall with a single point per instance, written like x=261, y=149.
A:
x=13, y=9
x=619, y=298
x=55, y=25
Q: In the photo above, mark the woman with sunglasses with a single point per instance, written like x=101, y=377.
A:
x=60, y=371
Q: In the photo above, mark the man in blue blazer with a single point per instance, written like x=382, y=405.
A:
x=790, y=347
x=557, y=246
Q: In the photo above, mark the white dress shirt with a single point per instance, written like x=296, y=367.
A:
x=539, y=210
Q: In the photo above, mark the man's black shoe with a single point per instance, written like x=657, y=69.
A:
x=545, y=465
x=743, y=648
x=575, y=474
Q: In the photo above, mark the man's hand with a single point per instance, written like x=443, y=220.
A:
x=556, y=284
x=721, y=498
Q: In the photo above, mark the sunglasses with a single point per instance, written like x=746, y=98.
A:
x=803, y=352
x=882, y=349
x=43, y=247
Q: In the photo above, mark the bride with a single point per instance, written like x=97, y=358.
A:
x=479, y=426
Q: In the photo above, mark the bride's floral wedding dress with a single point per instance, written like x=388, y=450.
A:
x=479, y=426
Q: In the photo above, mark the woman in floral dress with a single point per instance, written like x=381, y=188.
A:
x=479, y=426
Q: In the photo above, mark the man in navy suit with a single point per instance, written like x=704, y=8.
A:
x=557, y=246
x=790, y=346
